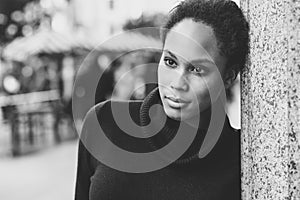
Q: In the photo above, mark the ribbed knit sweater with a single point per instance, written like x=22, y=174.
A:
x=214, y=177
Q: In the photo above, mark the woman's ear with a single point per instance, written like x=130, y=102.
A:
x=230, y=76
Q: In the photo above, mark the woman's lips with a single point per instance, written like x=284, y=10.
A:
x=176, y=99
x=176, y=102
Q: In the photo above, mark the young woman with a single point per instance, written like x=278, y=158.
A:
x=205, y=44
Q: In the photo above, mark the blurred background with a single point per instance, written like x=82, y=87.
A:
x=42, y=45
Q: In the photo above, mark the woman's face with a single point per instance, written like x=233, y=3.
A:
x=189, y=68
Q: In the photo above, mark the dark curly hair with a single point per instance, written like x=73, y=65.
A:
x=227, y=21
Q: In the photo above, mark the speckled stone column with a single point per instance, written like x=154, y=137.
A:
x=271, y=102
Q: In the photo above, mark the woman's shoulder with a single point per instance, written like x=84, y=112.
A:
x=111, y=111
x=229, y=133
x=108, y=106
x=104, y=128
x=228, y=145
x=230, y=142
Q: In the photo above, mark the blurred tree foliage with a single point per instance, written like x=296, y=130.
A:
x=21, y=18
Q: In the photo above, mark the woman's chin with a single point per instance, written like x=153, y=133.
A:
x=175, y=114
x=171, y=113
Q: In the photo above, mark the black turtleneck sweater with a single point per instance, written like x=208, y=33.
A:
x=214, y=177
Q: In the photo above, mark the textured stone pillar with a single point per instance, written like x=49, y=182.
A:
x=271, y=102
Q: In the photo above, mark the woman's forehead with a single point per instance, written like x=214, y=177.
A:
x=193, y=36
x=192, y=41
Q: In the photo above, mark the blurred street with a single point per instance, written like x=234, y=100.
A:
x=47, y=175
x=42, y=46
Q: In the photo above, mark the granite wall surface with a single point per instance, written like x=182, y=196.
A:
x=271, y=102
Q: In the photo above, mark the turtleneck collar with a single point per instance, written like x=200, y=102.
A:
x=170, y=128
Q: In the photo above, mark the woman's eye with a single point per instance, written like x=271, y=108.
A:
x=170, y=62
x=196, y=70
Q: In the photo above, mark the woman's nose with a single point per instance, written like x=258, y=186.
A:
x=179, y=82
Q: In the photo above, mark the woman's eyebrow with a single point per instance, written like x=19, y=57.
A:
x=202, y=60
x=170, y=53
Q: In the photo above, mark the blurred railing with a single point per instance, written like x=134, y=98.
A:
x=36, y=120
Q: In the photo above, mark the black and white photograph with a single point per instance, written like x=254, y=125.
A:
x=149, y=100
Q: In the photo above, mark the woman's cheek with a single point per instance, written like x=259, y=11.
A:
x=163, y=75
